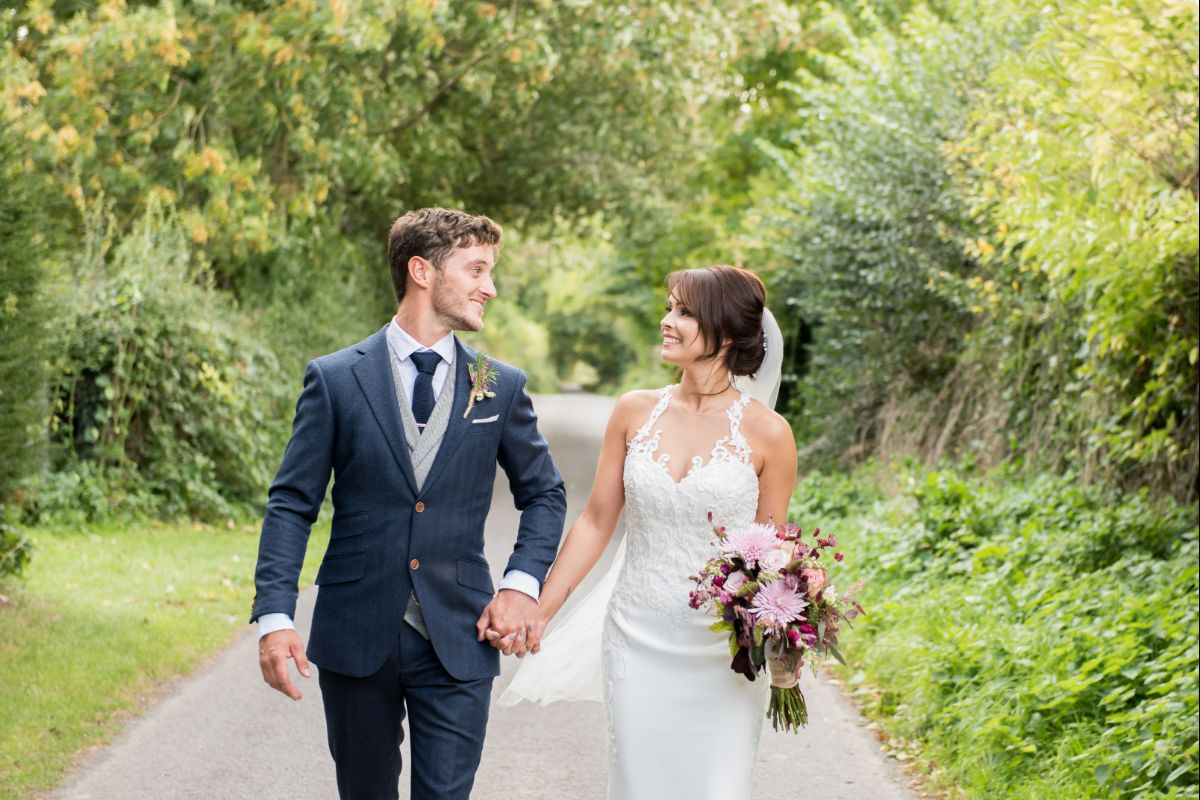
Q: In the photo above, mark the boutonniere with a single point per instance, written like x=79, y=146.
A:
x=483, y=380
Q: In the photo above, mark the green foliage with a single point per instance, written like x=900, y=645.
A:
x=23, y=330
x=15, y=547
x=1036, y=635
x=821, y=496
x=164, y=400
x=1085, y=169
x=286, y=137
x=986, y=238
x=871, y=212
x=291, y=130
x=572, y=310
x=22, y=321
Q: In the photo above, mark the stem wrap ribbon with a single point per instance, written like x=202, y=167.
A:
x=783, y=667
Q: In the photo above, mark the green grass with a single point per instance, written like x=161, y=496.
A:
x=1027, y=638
x=100, y=620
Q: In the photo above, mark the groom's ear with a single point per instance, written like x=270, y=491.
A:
x=420, y=272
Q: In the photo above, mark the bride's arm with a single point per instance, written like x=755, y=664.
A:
x=777, y=477
x=594, y=528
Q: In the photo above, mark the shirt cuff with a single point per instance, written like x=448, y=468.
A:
x=269, y=623
x=522, y=582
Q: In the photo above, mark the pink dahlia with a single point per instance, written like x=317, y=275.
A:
x=778, y=604
x=751, y=543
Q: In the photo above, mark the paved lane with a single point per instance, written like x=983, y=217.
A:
x=223, y=735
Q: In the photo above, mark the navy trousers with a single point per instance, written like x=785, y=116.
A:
x=447, y=719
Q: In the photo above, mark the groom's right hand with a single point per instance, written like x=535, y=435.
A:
x=274, y=650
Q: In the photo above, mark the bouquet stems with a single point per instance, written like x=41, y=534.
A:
x=788, y=711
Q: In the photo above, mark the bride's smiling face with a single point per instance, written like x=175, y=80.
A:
x=682, y=342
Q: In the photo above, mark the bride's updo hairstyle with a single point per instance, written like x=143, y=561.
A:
x=727, y=302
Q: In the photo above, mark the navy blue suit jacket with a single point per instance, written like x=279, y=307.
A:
x=387, y=538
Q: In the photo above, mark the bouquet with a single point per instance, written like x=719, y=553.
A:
x=772, y=594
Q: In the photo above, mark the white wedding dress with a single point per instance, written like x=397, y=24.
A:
x=682, y=724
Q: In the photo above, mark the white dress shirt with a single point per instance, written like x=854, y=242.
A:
x=402, y=345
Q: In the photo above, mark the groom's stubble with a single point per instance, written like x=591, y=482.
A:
x=448, y=306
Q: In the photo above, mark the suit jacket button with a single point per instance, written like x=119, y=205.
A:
x=420, y=507
x=414, y=564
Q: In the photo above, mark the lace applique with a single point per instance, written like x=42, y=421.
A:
x=668, y=530
x=639, y=443
x=668, y=537
x=613, y=646
x=733, y=446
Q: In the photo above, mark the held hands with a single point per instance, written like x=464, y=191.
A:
x=511, y=623
x=274, y=650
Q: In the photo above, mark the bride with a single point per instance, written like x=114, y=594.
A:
x=682, y=724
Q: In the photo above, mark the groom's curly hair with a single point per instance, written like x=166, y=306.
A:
x=727, y=303
x=433, y=234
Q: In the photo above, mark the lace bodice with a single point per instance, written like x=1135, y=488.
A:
x=665, y=674
x=667, y=530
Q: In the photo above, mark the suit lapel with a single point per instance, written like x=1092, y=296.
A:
x=457, y=426
x=374, y=375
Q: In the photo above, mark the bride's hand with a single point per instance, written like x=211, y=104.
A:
x=511, y=623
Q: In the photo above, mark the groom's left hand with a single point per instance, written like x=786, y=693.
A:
x=511, y=623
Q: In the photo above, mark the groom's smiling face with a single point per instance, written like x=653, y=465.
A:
x=463, y=286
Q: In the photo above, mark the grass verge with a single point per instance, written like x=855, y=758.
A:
x=100, y=620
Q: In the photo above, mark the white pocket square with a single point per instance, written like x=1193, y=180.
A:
x=487, y=419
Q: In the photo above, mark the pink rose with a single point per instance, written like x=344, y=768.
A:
x=734, y=581
x=774, y=561
x=815, y=579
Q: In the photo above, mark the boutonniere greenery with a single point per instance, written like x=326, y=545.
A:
x=483, y=381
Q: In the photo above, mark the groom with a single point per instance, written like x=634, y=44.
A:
x=411, y=431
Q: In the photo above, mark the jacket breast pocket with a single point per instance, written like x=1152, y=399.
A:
x=475, y=576
x=341, y=569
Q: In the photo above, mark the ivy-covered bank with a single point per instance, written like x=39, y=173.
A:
x=1034, y=638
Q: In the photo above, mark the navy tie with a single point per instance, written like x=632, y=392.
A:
x=422, y=404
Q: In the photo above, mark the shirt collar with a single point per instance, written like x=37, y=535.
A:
x=404, y=345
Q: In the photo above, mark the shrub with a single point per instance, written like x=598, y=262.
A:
x=22, y=335
x=1035, y=634
x=164, y=398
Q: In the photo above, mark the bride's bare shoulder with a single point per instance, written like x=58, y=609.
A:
x=638, y=401
x=765, y=426
x=632, y=408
